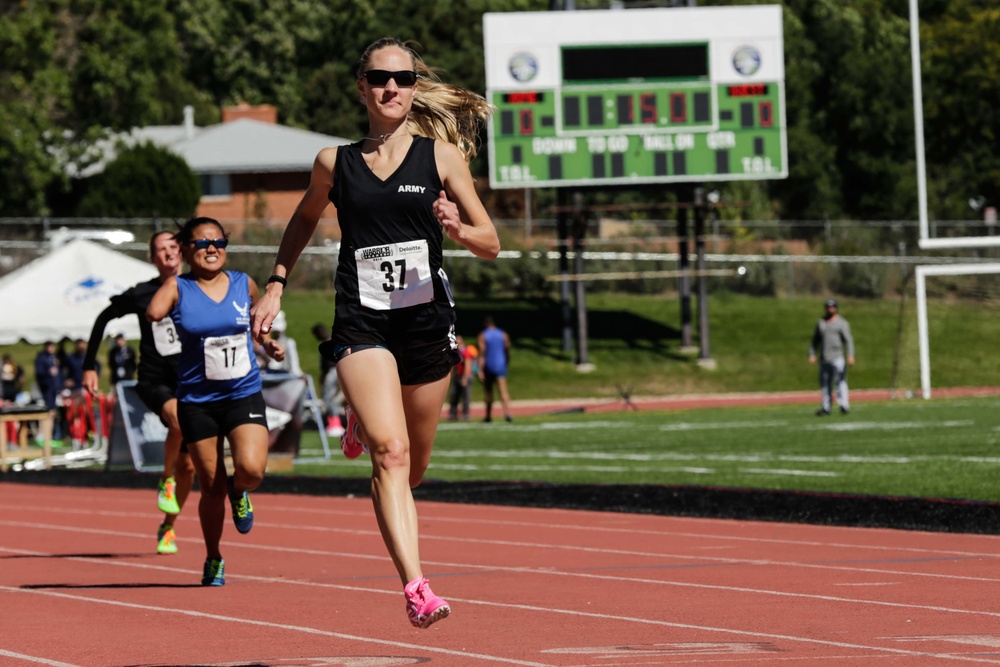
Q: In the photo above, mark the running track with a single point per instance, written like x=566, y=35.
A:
x=80, y=584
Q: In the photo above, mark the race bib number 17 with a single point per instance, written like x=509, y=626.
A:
x=397, y=275
x=226, y=357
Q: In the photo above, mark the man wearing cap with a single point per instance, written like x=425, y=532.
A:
x=832, y=338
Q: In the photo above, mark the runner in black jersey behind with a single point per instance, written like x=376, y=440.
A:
x=393, y=334
x=159, y=347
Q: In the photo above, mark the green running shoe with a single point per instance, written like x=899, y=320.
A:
x=242, y=512
x=166, y=499
x=214, y=574
x=166, y=540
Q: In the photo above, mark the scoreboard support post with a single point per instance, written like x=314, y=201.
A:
x=580, y=217
x=562, y=223
x=684, y=266
x=704, y=358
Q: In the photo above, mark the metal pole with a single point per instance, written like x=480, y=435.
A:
x=683, y=264
x=579, y=231
x=563, y=230
x=704, y=358
x=918, y=118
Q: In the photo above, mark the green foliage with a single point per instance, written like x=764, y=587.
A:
x=143, y=181
x=69, y=69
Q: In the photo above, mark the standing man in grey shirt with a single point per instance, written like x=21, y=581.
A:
x=832, y=338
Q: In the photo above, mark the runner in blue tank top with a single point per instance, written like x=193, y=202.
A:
x=393, y=334
x=219, y=388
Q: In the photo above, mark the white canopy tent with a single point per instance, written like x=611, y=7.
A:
x=61, y=294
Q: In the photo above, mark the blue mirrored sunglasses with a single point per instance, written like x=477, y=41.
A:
x=202, y=244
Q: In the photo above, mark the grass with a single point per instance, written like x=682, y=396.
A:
x=914, y=448
x=758, y=344
x=939, y=448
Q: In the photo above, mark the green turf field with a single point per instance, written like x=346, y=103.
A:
x=933, y=449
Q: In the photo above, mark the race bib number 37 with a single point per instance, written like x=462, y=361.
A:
x=397, y=275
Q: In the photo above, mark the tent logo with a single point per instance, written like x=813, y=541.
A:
x=87, y=289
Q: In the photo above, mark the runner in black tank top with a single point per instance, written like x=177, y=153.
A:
x=387, y=227
x=157, y=381
x=393, y=335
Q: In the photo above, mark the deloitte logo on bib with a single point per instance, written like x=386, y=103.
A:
x=746, y=60
x=523, y=66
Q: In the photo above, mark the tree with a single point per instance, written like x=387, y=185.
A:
x=143, y=181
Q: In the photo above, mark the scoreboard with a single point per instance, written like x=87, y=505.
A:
x=630, y=96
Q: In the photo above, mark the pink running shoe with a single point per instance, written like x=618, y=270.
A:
x=349, y=443
x=422, y=606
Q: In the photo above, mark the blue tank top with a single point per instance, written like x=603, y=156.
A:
x=217, y=360
x=495, y=359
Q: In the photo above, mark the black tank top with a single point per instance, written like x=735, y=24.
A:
x=389, y=276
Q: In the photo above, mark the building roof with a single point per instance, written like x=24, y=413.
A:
x=241, y=146
x=250, y=146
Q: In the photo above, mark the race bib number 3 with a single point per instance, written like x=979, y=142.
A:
x=226, y=357
x=397, y=275
x=165, y=337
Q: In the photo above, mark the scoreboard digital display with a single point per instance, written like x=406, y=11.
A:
x=635, y=96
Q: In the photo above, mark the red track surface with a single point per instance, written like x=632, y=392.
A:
x=707, y=401
x=312, y=585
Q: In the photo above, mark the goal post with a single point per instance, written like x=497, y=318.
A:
x=921, y=274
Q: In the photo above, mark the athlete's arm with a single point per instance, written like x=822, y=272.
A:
x=297, y=234
x=458, y=208
x=163, y=301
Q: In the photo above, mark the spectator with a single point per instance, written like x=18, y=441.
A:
x=73, y=366
x=11, y=379
x=48, y=377
x=121, y=360
x=831, y=338
x=494, y=356
x=460, y=390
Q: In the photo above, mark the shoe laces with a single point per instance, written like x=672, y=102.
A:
x=243, y=506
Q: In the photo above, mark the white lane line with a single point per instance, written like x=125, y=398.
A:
x=426, y=536
x=278, y=626
x=519, y=607
x=794, y=473
x=544, y=572
x=35, y=659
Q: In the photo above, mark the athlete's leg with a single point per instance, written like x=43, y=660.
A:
x=504, y=396
x=176, y=463
x=826, y=384
x=843, y=400
x=248, y=445
x=488, y=381
x=211, y=469
x=421, y=404
x=370, y=381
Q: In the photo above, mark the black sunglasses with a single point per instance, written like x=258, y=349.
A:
x=202, y=244
x=380, y=77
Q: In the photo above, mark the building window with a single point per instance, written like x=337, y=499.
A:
x=216, y=185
